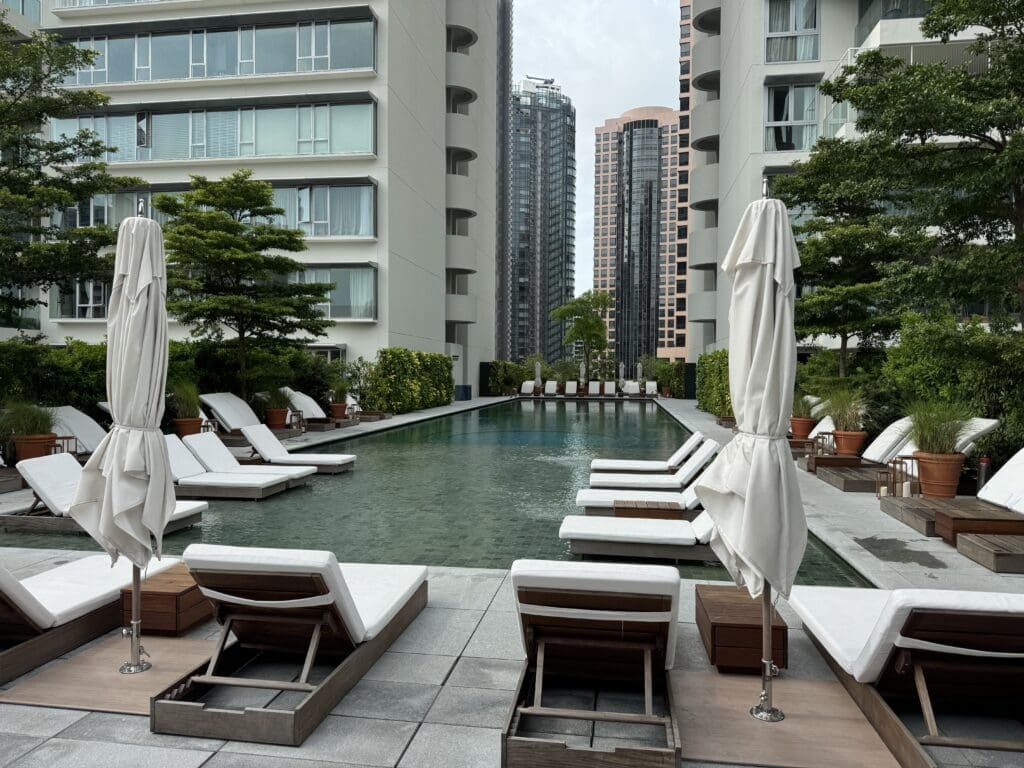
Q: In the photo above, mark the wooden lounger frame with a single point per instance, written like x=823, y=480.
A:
x=306, y=632
x=39, y=519
x=656, y=510
x=930, y=676
x=24, y=646
x=595, y=651
x=238, y=492
x=627, y=550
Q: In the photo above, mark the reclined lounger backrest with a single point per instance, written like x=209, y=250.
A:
x=273, y=584
x=183, y=463
x=231, y=410
x=211, y=452
x=71, y=421
x=824, y=426
x=631, y=388
x=265, y=442
x=707, y=451
x=594, y=388
x=890, y=440
x=1006, y=487
x=20, y=612
x=527, y=388
x=54, y=479
x=570, y=388
x=677, y=458
x=304, y=404
x=599, y=601
x=651, y=388
x=550, y=387
x=610, y=389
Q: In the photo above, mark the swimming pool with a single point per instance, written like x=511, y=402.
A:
x=476, y=489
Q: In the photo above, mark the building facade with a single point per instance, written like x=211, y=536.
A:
x=636, y=231
x=674, y=346
x=756, y=110
x=374, y=120
x=537, y=265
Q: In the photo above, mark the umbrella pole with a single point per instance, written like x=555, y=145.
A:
x=134, y=632
x=764, y=710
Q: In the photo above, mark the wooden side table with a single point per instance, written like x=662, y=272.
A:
x=171, y=603
x=729, y=622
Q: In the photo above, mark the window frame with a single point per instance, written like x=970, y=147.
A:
x=792, y=32
x=769, y=124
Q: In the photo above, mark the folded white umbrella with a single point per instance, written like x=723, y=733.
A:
x=126, y=495
x=751, y=490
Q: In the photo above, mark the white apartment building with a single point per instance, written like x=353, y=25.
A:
x=375, y=121
x=755, y=110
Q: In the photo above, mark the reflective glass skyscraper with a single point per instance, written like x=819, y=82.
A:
x=536, y=270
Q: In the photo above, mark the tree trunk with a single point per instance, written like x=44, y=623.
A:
x=242, y=358
x=844, y=343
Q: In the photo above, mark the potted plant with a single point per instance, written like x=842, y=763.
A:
x=935, y=430
x=663, y=376
x=29, y=428
x=339, y=402
x=278, y=405
x=800, y=422
x=185, y=405
x=846, y=407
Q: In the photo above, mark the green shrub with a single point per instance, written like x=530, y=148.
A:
x=508, y=376
x=278, y=399
x=403, y=380
x=846, y=407
x=184, y=399
x=801, y=408
x=713, y=383
x=937, y=425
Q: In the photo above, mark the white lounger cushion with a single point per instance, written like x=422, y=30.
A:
x=366, y=596
x=71, y=421
x=824, y=426
x=605, y=498
x=638, y=530
x=973, y=431
x=651, y=388
x=550, y=387
x=571, y=388
x=631, y=388
x=270, y=449
x=594, y=388
x=679, y=480
x=628, y=465
x=72, y=590
x=860, y=627
x=527, y=388
x=215, y=457
x=305, y=404
x=616, y=578
x=186, y=470
x=230, y=410
x=889, y=442
x=609, y=388
x=1006, y=487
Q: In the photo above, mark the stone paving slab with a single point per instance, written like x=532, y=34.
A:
x=453, y=746
x=411, y=668
x=483, y=708
x=99, y=754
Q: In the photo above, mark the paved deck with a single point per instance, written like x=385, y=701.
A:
x=884, y=551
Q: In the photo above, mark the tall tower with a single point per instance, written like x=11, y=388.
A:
x=636, y=233
x=541, y=248
x=503, y=261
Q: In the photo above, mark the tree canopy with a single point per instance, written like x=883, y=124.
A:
x=227, y=268
x=40, y=175
x=585, y=318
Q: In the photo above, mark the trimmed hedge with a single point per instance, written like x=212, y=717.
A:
x=507, y=376
x=403, y=380
x=713, y=383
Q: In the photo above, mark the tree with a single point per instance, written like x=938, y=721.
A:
x=848, y=239
x=39, y=176
x=956, y=136
x=585, y=318
x=226, y=269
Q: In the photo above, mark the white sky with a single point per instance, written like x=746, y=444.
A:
x=608, y=56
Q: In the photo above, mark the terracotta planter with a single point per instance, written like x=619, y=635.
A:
x=277, y=418
x=338, y=410
x=666, y=392
x=185, y=427
x=727, y=421
x=34, y=446
x=939, y=473
x=801, y=427
x=849, y=443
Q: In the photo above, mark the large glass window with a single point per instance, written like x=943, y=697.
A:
x=298, y=130
x=792, y=30
x=354, y=296
x=790, y=124
x=275, y=50
x=169, y=57
x=83, y=300
x=352, y=45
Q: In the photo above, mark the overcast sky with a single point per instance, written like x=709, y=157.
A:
x=608, y=56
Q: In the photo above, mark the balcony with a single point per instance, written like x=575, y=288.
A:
x=460, y=193
x=705, y=125
x=700, y=306
x=461, y=133
x=462, y=71
x=463, y=13
x=707, y=16
x=702, y=250
x=887, y=10
x=460, y=254
x=459, y=309
x=704, y=187
x=707, y=64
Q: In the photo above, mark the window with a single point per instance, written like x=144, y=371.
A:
x=169, y=57
x=314, y=49
x=354, y=296
x=792, y=30
x=83, y=300
x=790, y=124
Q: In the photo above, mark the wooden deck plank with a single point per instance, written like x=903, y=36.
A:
x=851, y=479
x=1001, y=554
x=913, y=512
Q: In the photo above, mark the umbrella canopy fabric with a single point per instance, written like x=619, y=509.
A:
x=537, y=373
x=751, y=489
x=126, y=494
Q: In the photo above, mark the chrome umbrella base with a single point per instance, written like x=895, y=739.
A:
x=764, y=709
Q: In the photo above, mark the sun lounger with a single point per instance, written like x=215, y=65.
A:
x=47, y=615
x=631, y=389
x=526, y=390
x=550, y=388
x=603, y=626
x=651, y=389
x=231, y=411
x=265, y=443
x=610, y=389
x=308, y=411
x=594, y=389
x=191, y=480
x=71, y=422
x=669, y=505
x=670, y=465
x=571, y=389
x=215, y=457
x=676, y=481
x=965, y=648
x=287, y=605
x=639, y=537
x=54, y=480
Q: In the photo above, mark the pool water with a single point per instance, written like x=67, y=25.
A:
x=475, y=489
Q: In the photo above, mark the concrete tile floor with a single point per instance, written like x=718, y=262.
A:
x=436, y=700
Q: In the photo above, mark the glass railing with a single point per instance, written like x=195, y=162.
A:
x=883, y=10
x=92, y=3
x=27, y=8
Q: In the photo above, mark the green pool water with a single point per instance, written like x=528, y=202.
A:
x=476, y=489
